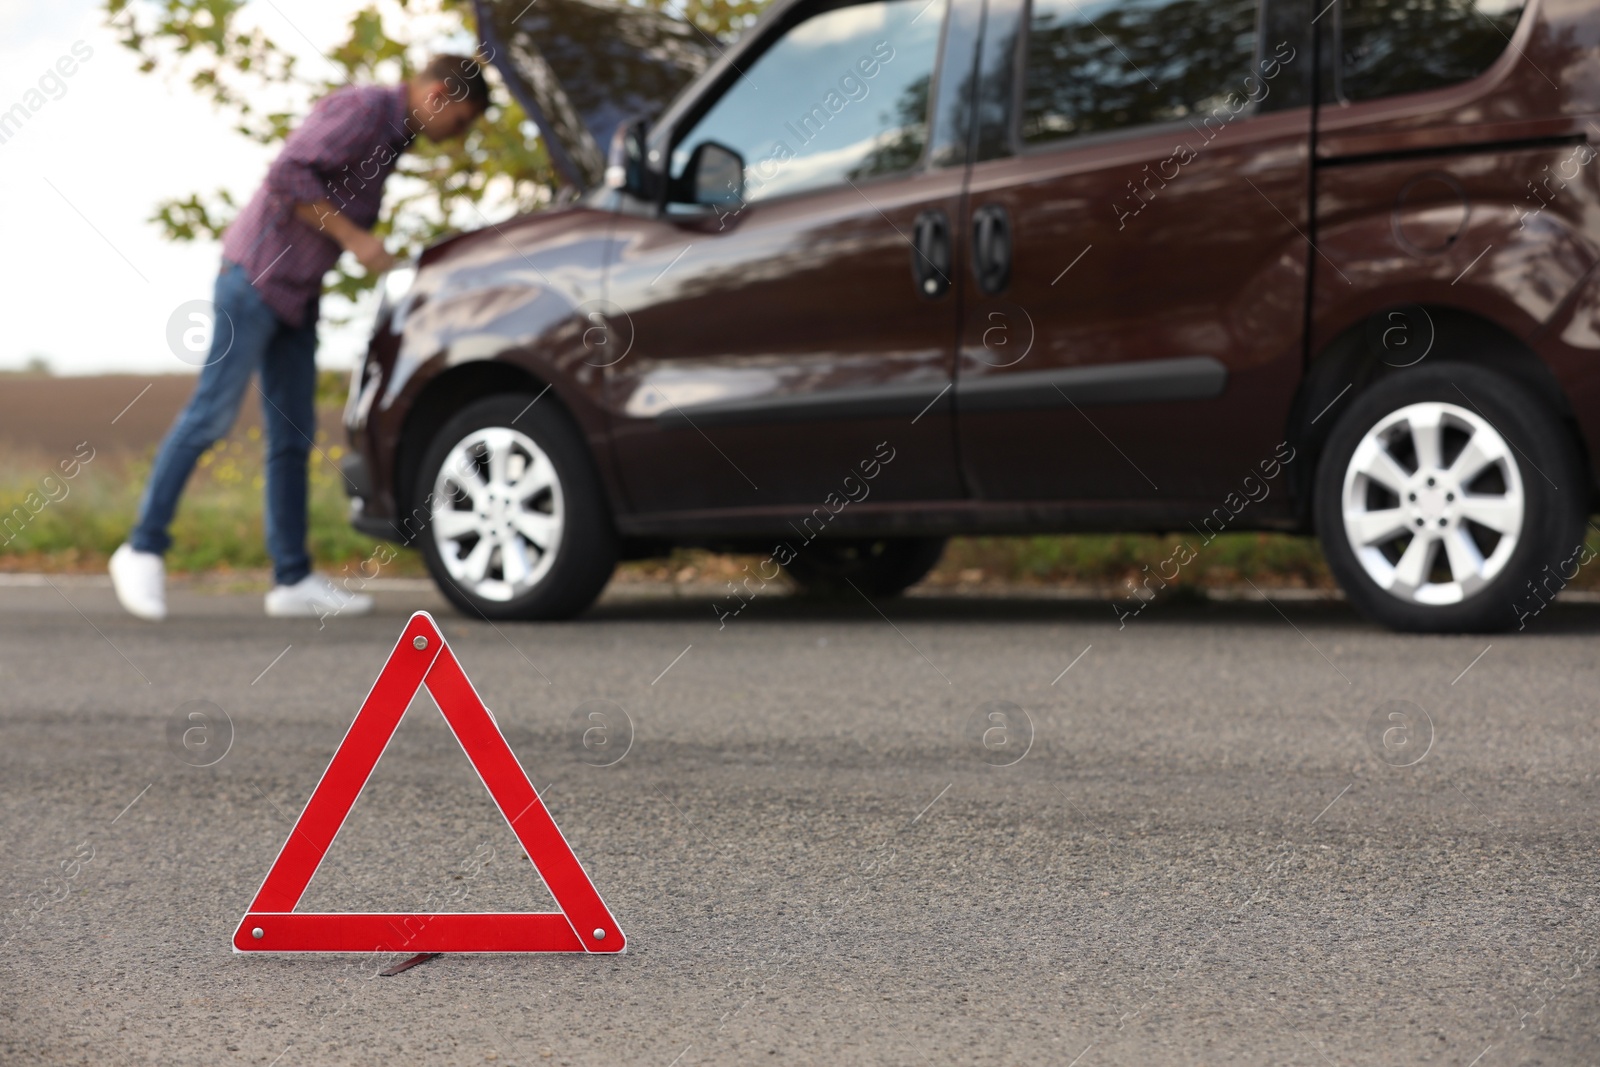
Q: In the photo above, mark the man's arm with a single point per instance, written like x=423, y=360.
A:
x=339, y=133
x=363, y=244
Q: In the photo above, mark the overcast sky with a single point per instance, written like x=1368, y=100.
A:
x=87, y=283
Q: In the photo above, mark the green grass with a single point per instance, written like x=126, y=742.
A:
x=219, y=522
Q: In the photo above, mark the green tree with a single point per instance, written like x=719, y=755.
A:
x=265, y=89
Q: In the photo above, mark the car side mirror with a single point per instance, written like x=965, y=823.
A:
x=715, y=175
x=625, y=169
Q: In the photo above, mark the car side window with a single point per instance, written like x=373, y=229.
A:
x=1095, y=66
x=1388, y=47
x=843, y=95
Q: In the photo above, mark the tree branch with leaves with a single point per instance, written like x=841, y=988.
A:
x=499, y=168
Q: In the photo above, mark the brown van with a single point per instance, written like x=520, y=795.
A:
x=885, y=271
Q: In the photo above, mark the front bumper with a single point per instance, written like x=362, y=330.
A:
x=358, y=486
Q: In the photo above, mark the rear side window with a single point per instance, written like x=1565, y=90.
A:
x=1388, y=47
x=1094, y=66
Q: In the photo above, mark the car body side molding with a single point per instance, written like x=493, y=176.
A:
x=860, y=403
x=1142, y=382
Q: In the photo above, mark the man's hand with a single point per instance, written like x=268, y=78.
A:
x=369, y=250
x=362, y=244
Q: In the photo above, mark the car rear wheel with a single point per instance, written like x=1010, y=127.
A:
x=1442, y=493
x=516, y=525
x=883, y=567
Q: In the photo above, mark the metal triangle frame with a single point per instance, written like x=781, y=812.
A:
x=422, y=658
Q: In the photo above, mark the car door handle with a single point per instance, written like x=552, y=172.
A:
x=991, y=248
x=930, y=254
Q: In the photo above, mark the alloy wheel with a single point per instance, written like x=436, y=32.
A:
x=1433, y=503
x=497, y=513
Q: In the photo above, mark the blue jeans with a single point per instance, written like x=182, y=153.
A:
x=286, y=359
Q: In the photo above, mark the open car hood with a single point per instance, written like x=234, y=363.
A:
x=580, y=67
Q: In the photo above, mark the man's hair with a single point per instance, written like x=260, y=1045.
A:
x=462, y=77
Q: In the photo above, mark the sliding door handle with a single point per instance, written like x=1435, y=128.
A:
x=991, y=248
x=930, y=254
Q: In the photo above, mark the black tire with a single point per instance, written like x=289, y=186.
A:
x=879, y=567
x=584, y=553
x=1555, y=497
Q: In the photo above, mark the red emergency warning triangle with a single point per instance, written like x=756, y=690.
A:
x=584, y=923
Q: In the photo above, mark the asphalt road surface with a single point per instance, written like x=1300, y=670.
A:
x=959, y=831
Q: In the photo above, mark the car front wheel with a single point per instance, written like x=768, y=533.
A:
x=515, y=524
x=1443, y=493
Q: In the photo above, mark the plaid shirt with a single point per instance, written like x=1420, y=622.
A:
x=341, y=153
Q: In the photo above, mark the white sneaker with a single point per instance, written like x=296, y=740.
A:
x=140, y=579
x=314, y=596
